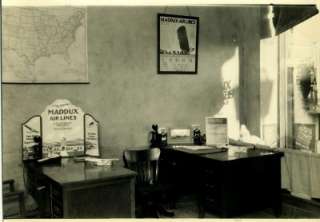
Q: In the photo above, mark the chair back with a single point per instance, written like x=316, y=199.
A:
x=145, y=162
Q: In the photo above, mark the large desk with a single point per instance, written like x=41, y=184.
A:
x=80, y=190
x=227, y=185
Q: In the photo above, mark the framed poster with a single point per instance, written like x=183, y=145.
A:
x=177, y=44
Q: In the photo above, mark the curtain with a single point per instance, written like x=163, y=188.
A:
x=300, y=173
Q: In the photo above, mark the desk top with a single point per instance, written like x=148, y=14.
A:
x=233, y=154
x=250, y=153
x=70, y=172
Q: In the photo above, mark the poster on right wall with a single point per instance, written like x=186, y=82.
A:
x=304, y=136
x=177, y=44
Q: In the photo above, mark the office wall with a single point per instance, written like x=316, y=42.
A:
x=125, y=92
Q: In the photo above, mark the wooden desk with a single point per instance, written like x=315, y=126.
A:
x=80, y=190
x=227, y=185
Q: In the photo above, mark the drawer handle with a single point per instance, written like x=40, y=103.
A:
x=208, y=171
x=210, y=200
x=174, y=164
x=56, y=191
x=210, y=186
x=41, y=188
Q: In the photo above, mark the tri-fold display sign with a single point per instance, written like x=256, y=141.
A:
x=65, y=130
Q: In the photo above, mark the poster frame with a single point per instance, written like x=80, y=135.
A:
x=176, y=57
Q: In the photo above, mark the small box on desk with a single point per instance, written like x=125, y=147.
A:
x=180, y=136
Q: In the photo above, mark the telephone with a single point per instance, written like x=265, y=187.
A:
x=36, y=153
x=158, y=139
x=155, y=136
x=37, y=147
x=198, y=139
x=197, y=136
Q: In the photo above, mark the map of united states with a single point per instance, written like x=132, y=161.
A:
x=44, y=44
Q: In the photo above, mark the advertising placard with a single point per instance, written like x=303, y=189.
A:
x=63, y=129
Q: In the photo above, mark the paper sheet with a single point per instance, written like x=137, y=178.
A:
x=216, y=131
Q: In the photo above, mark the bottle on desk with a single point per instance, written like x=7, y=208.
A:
x=37, y=147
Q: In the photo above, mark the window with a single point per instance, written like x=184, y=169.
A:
x=290, y=78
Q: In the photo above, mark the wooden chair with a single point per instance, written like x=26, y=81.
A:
x=151, y=194
x=13, y=194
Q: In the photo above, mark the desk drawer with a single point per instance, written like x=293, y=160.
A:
x=56, y=197
x=212, y=189
x=56, y=192
x=209, y=172
x=56, y=209
x=209, y=168
x=210, y=177
x=212, y=204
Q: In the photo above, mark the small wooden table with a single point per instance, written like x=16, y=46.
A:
x=81, y=190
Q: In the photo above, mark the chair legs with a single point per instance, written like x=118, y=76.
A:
x=152, y=210
x=148, y=211
x=22, y=205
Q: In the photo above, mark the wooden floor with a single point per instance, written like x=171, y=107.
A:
x=292, y=207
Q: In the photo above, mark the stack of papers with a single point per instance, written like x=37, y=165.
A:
x=99, y=161
x=195, y=147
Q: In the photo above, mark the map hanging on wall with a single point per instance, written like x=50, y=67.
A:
x=44, y=45
x=63, y=129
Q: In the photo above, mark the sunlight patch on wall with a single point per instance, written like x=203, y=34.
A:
x=269, y=90
x=230, y=109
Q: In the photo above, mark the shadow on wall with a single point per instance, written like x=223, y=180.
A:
x=217, y=47
x=239, y=29
x=168, y=100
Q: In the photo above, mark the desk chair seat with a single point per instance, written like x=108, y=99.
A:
x=151, y=194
